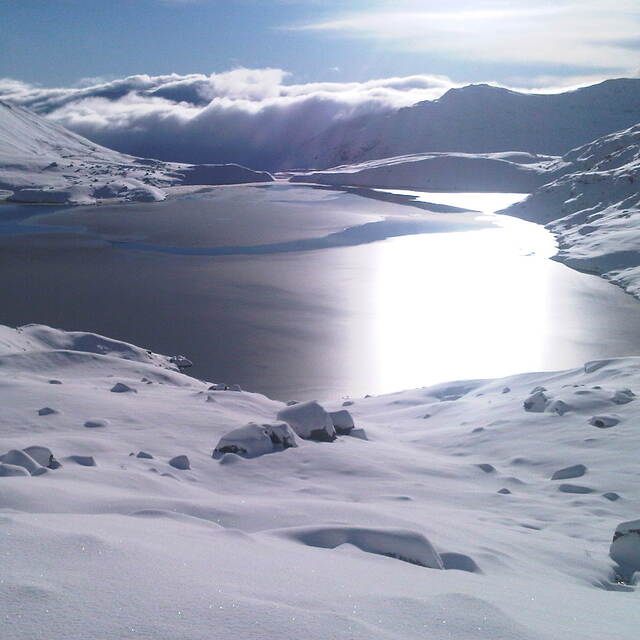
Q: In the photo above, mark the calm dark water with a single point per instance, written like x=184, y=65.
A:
x=473, y=298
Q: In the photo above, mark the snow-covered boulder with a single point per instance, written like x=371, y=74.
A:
x=309, y=420
x=625, y=547
x=121, y=387
x=19, y=458
x=575, y=471
x=83, y=461
x=253, y=440
x=8, y=470
x=43, y=456
x=537, y=402
x=181, y=362
x=180, y=462
x=342, y=421
x=604, y=421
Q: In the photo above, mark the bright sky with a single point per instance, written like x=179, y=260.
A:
x=523, y=43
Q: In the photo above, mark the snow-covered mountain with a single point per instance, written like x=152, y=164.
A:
x=138, y=502
x=41, y=161
x=594, y=208
x=507, y=172
x=478, y=119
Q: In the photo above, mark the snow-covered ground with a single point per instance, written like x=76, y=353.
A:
x=594, y=208
x=42, y=162
x=476, y=509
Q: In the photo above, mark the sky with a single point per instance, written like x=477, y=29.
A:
x=215, y=80
x=520, y=43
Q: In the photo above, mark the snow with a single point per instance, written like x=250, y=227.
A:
x=445, y=523
x=496, y=172
x=41, y=162
x=594, y=208
x=342, y=421
x=309, y=420
x=255, y=440
x=477, y=119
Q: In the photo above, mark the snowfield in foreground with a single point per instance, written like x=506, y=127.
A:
x=494, y=509
x=42, y=162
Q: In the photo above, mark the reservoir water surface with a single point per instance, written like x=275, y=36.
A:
x=299, y=292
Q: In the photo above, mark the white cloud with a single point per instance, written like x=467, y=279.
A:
x=250, y=116
x=591, y=33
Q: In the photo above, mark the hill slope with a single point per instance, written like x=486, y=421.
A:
x=594, y=208
x=506, y=172
x=42, y=161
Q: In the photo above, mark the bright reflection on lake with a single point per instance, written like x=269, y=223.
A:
x=489, y=303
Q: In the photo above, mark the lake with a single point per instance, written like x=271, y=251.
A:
x=301, y=292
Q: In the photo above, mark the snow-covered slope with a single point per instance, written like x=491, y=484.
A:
x=43, y=162
x=476, y=509
x=509, y=172
x=479, y=119
x=594, y=208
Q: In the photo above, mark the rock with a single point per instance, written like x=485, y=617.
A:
x=477, y=430
x=120, y=387
x=574, y=488
x=281, y=434
x=504, y=491
x=43, y=456
x=7, y=470
x=342, y=421
x=144, y=454
x=96, y=423
x=46, y=411
x=255, y=440
x=623, y=396
x=575, y=471
x=611, y=495
x=310, y=421
x=19, y=458
x=83, y=461
x=218, y=387
x=537, y=402
x=347, y=403
x=180, y=462
x=235, y=387
x=558, y=406
x=55, y=382
x=358, y=433
x=290, y=403
x=604, y=421
x=506, y=390
x=625, y=547
x=181, y=362
x=487, y=468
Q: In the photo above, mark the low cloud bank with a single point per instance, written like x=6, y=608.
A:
x=249, y=116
